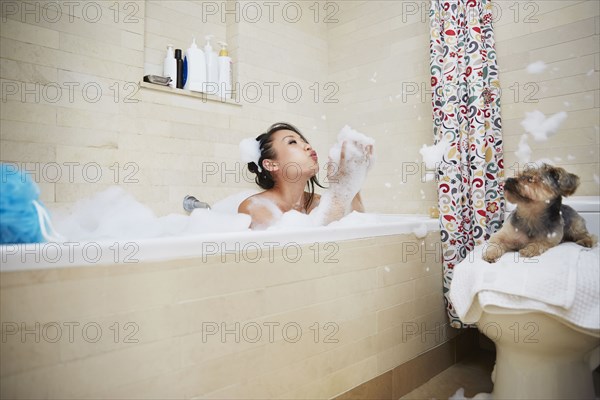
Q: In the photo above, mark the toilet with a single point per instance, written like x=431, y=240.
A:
x=539, y=355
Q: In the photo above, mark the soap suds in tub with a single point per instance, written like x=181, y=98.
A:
x=420, y=231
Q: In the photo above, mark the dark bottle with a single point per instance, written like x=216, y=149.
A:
x=179, y=61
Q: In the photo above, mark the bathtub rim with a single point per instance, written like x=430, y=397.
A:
x=185, y=247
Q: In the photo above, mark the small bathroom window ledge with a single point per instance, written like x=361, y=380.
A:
x=203, y=96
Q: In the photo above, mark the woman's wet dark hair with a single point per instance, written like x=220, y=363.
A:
x=264, y=179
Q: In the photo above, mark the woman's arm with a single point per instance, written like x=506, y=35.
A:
x=345, y=181
x=357, y=204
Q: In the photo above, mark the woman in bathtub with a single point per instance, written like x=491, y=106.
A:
x=288, y=165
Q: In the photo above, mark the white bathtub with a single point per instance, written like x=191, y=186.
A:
x=357, y=303
x=54, y=255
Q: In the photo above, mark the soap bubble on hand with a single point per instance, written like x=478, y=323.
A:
x=356, y=144
x=349, y=161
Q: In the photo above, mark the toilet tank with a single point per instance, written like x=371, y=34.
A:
x=587, y=206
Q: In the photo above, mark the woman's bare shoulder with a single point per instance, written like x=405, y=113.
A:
x=244, y=205
x=261, y=208
x=251, y=202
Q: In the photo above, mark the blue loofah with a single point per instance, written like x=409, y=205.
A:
x=19, y=220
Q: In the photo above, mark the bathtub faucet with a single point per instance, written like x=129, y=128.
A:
x=190, y=203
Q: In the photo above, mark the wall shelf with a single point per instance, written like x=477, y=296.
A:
x=182, y=92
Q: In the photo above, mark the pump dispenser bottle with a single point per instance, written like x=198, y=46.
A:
x=170, y=66
x=225, y=72
x=179, y=60
x=212, y=66
x=196, y=68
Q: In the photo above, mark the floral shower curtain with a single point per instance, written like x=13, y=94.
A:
x=466, y=123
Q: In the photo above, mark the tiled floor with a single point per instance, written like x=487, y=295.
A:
x=472, y=374
x=596, y=377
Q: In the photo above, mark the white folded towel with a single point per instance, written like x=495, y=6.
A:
x=564, y=281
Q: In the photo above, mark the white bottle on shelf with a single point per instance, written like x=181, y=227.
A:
x=225, y=72
x=196, y=68
x=170, y=66
x=212, y=66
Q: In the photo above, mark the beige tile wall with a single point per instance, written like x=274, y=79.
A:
x=564, y=35
x=160, y=147
x=379, y=56
x=361, y=63
x=372, y=293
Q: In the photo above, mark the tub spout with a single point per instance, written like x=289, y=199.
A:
x=190, y=203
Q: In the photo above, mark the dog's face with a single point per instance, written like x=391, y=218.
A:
x=540, y=185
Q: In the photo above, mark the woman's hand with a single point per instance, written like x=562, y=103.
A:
x=347, y=177
x=345, y=180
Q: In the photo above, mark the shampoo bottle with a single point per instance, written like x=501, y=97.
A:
x=212, y=66
x=225, y=72
x=170, y=66
x=196, y=68
x=179, y=61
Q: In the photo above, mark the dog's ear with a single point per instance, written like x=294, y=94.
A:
x=567, y=182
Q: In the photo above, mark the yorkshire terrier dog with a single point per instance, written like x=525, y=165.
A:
x=540, y=220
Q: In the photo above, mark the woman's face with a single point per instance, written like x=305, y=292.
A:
x=294, y=157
